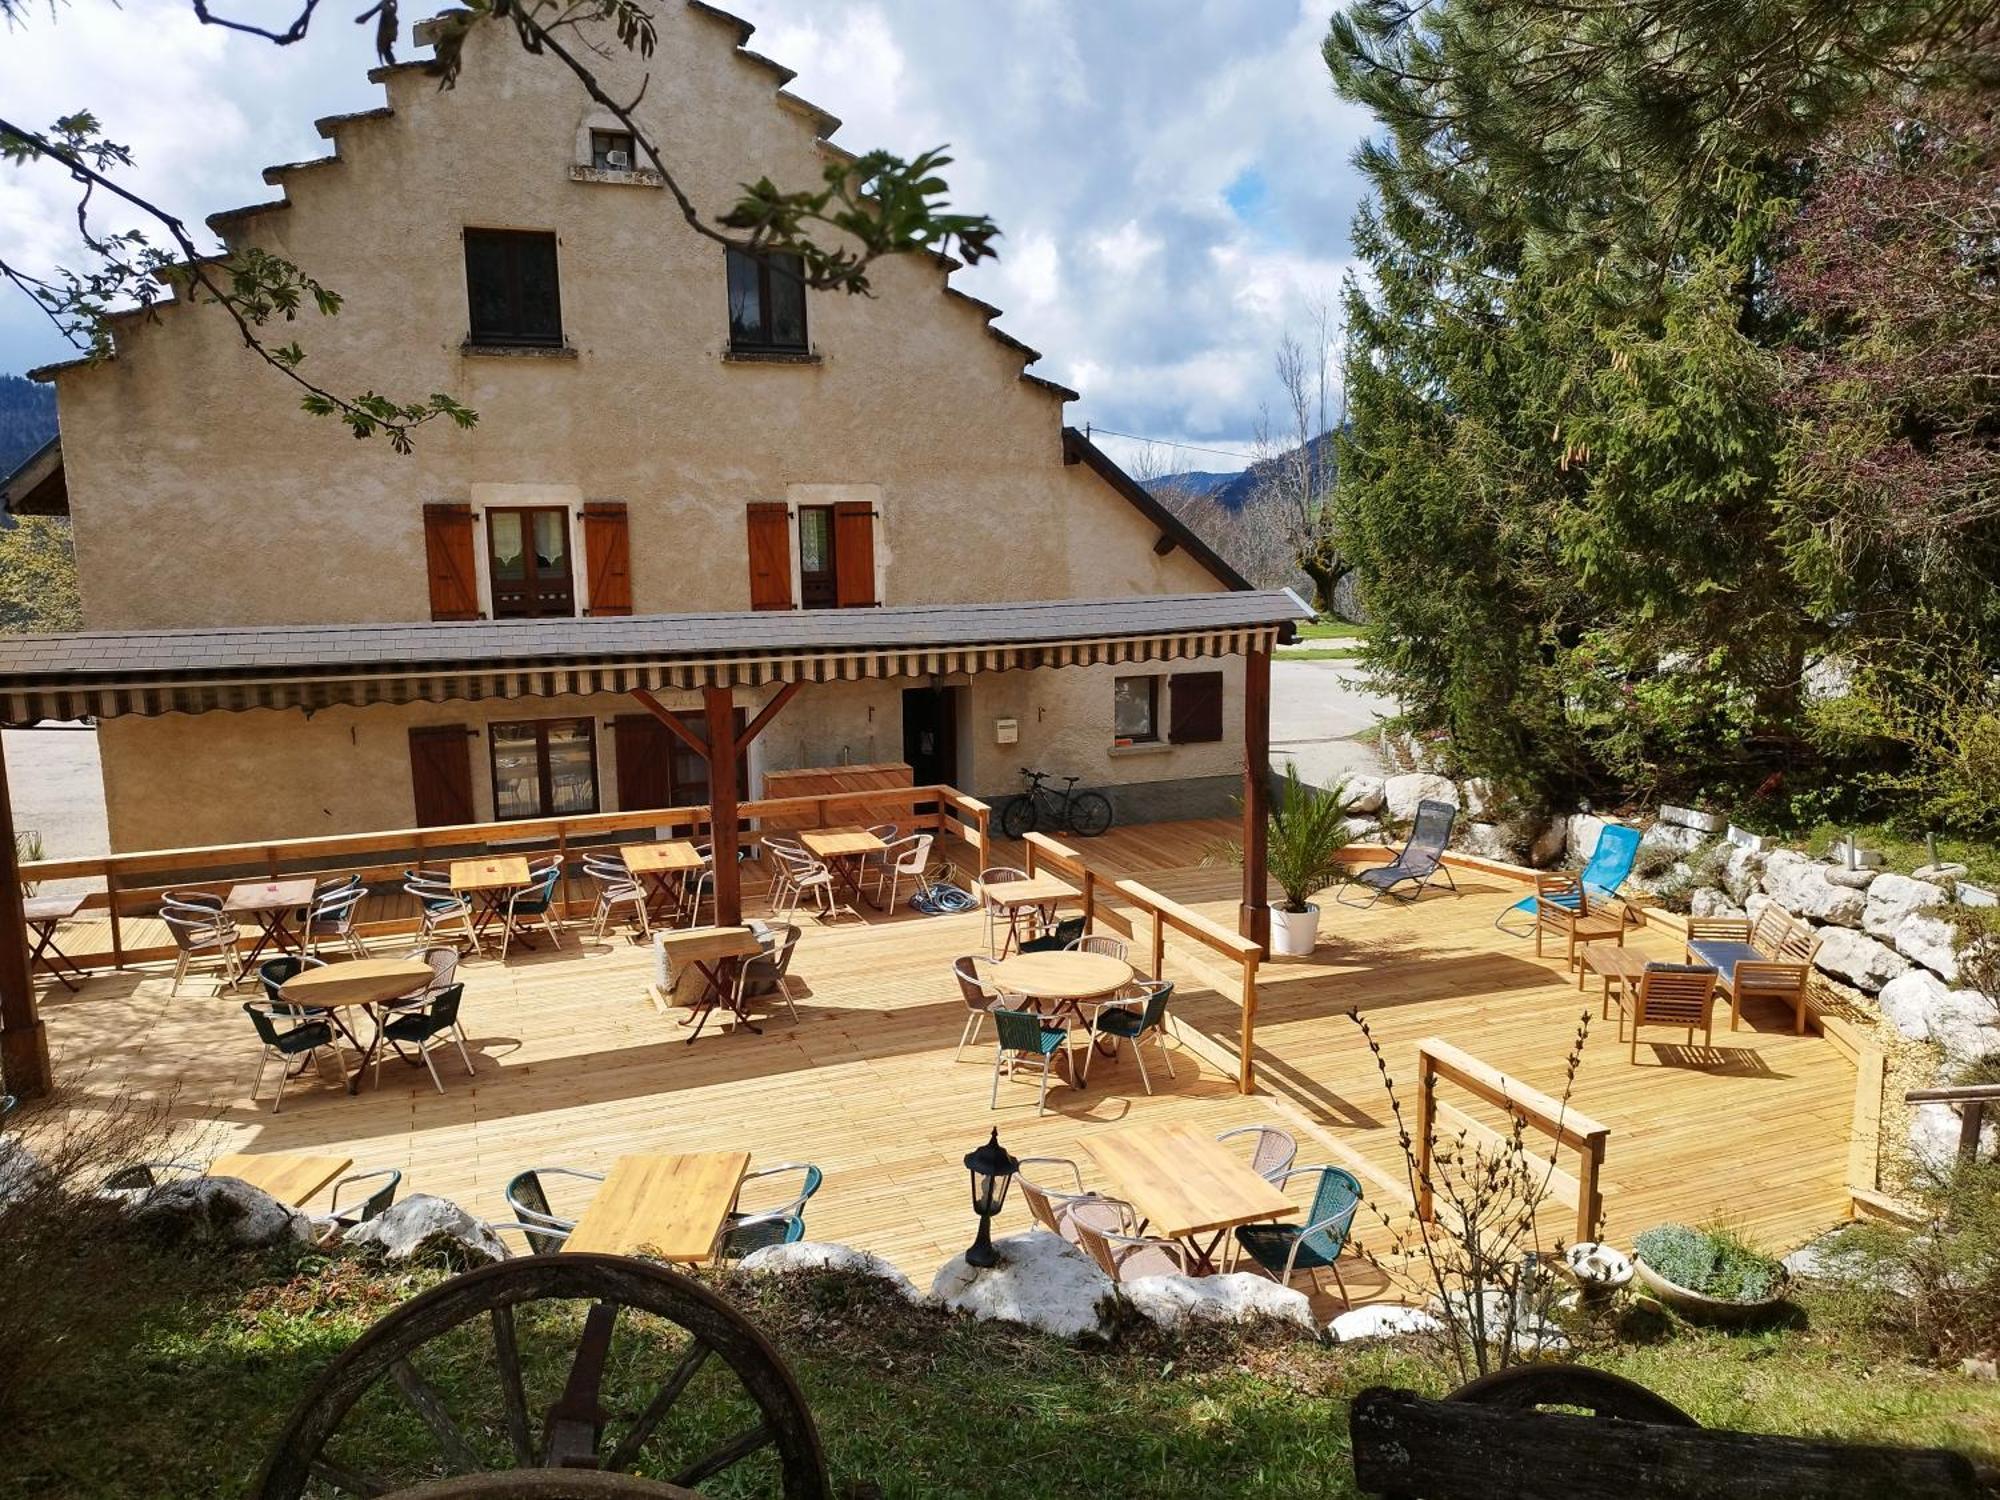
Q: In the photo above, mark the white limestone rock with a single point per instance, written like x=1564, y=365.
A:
x=1892, y=898
x=1582, y=831
x=222, y=1211
x=1925, y=1009
x=19, y=1167
x=1381, y=1321
x=1401, y=794
x=1756, y=904
x=1487, y=840
x=1934, y=1130
x=1859, y=879
x=1173, y=1301
x=1742, y=868
x=1930, y=941
x=1668, y=836
x=1362, y=830
x=1858, y=959
x=1364, y=794
x=1689, y=817
x=1976, y=895
x=1801, y=887
x=1042, y=1281
x=1477, y=797
x=422, y=1225
x=1710, y=902
x=809, y=1255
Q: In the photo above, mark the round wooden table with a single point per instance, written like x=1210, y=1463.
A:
x=366, y=982
x=1065, y=976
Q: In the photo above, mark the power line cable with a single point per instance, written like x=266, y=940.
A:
x=1248, y=458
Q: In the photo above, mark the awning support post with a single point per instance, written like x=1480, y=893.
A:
x=719, y=709
x=1255, y=916
x=24, y=1042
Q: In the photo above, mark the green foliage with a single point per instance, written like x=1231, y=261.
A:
x=1306, y=832
x=38, y=590
x=1936, y=1287
x=1714, y=1262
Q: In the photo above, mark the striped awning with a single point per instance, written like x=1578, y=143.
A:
x=105, y=675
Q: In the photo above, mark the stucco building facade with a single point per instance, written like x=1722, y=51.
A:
x=660, y=431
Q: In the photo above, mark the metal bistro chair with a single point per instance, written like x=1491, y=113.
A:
x=1421, y=861
x=1060, y=1210
x=372, y=1204
x=302, y=1040
x=1063, y=935
x=274, y=972
x=615, y=888
x=202, y=936
x=1124, y=1022
x=536, y=899
x=543, y=1239
x=143, y=1176
x=331, y=917
x=803, y=875
x=1283, y=1250
x=979, y=997
x=423, y=1028
x=778, y=1224
x=527, y=1195
x=1023, y=1040
x=1127, y=1257
x=1099, y=942
x=442, y=911
x=907, y=859
x=1272, y=1157
x=768, y=973
x=1018, y=917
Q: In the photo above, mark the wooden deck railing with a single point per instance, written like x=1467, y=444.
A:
x=1438, y=1059
x=133, y=882
x=1165, y=915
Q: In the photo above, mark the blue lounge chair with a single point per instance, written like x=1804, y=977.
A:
x=1609, y=867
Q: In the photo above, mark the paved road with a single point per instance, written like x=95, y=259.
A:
x=1316, y=709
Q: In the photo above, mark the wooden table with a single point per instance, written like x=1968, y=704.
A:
x=43, y=914
x=671, y=1207
x=844, y=850
x=363, y=982
x=719, y=954
x=1615, y=964
x=289, y=1179
x=490, y=882
x=1068, y=980
x=1038, y=892
x=663, y=867
x=1185, y=1184
x=269, y=902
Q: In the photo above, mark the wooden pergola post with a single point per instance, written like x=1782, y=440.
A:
x=719, y=711
x=1255, y=922
x=24, y=1042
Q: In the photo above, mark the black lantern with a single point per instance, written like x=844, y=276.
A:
x=992, y=1170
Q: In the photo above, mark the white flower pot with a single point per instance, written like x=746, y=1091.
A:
x=1294, y=933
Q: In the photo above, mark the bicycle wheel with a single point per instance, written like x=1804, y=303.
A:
x=1089, y=814
x=1020, y=816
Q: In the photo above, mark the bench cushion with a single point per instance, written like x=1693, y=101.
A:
x=1724, y=955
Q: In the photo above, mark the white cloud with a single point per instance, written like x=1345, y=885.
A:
x=1109, y=140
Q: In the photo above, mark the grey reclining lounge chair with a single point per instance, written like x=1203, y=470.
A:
x=1422, y=859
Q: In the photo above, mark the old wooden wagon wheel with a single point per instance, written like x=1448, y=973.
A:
x=439, y=1400
x=1599, y=1392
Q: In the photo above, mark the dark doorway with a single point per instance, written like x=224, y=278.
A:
x=930, y=735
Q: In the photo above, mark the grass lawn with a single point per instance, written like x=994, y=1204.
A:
x=178, y=1384
x=1326, y=640
x=1981, y=857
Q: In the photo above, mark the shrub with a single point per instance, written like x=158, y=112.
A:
x=1937, y=1285
x=1714, y=1262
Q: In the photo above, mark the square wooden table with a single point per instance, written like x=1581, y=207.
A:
x=270, y=902
x=490, y=882
x=44, y=914
x=1040, y=893
x=844, y=850
x=719, y=953
x=662, y=866
x=671, y=1207
x=289, y=1179
x=1185, y=1183
x=1614, y=964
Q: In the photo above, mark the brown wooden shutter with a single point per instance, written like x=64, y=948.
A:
x=770, y=555
x=854, y=554
x=441, y=775
x=1195, y=708
x=645, y=761
x=607, y=553
x=448, y=551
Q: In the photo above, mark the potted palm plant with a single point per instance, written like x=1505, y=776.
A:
x=1303, y=839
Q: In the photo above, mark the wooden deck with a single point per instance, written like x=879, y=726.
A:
x=575, y=1066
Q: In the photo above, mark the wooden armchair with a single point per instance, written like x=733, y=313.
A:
x=1562, y=909
x=1770, y=960
x=1672, y=995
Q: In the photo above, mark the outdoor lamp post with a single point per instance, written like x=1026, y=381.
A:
x=992, y=1170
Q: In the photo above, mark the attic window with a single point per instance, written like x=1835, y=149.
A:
x=613, y=151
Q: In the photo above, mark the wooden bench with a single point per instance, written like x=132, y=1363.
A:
x=1490, y=1440
x=1770, y=960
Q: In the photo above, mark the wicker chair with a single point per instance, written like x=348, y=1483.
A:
x=287, y=1045
x=1098, y=942
x=331, y=917
x=1019, y=917
x=440, y=909
x=202, y=937
x=528, y=1195
x=1127, y=1257
x=1133, y=1023
x=1283, y=1250
x=1272, y=1157
x=424, y=1028
x=1023, y=1041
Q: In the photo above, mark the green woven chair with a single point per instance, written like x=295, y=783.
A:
x=1024, y=1041
x=1133, y=1023
x=286, y=1046
x=425, y=1029
x=1283, y=1250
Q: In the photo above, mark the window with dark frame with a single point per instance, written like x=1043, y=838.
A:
x=818, y=577
x=1135, y=710
x=605, y=144
x=510, y=287
x=767, y=303
x=544, y=768
x=528, y=563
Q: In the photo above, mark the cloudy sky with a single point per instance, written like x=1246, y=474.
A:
x=1172, y=176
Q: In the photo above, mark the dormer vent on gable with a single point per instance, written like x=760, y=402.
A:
x=606, y=151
